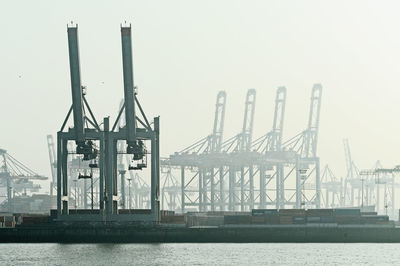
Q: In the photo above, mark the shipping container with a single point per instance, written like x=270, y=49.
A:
x=347, y=219
x=292, y=212
x=347, y=212
x=261, y=212
x=299, y=220
x=174, y=219
x=9, y=224
x=83, y=211
x=319, y=212
x=9, y=218
x=327, y=219
x=313, y=219
x=134, y=211
x=284, y=220
x=271, y=219
x=369, y=213
x=258, y=219
x=166, y=213
x=374, y=219
x=35, y=220
x=237, y=219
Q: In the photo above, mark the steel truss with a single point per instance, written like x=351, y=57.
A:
x=101, y=147
x=17, y=178
x=241, y=174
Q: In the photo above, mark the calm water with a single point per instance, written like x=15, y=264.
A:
x=200, y=254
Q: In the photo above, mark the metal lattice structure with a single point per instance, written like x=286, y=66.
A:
x=332, y=187
x=241, y=174
x=100, y=148
x=16, y=177
x=307, y=193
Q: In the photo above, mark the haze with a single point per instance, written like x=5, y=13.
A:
x=186, y=51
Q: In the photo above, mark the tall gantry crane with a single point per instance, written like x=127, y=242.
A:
x=307, y=165
x=202, y=160
x=386, y=177
x=99, y=146
x=240, y=159
x=372, y=181
x=16, y=177
x=269, y=145
x=241, y=190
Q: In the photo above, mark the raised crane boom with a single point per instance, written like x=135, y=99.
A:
x=76, y=86
x=218, y=130
x=213, y=142
x=247, y=131
x=272, y=141
x=311, y=134
x=350, y=167
x=243, y=141
x=279, y=114
x=84, y=146
x=129, y=102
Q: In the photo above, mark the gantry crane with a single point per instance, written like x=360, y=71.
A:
x=307, y=167
x=333, y=188
x=16, y=177
x=99, y=146
x=200, y=161
x=270, y=146
x=241, y=190
x=352, y=180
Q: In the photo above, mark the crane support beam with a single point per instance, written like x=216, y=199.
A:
x=76, y=86
x=127, y=62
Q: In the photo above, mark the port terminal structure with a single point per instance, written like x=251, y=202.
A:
x=17, y=178
x=134, y=190
x=101, y=148
x=240, y=174
x=372, y=189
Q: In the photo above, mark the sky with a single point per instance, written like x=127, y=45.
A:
x=186, y=51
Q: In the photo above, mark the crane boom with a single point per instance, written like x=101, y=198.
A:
x=247, y=131
x=76, y=86
x=311, y=133
x=218, y=129
x=279, y=114
x=130, y=117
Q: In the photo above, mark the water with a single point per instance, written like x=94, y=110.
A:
x=199, y=254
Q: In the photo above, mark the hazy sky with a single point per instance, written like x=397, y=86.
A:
x=186, y=51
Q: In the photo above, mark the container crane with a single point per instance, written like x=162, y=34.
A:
x=14, y=173
x=307, y=166
x=269, y=145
